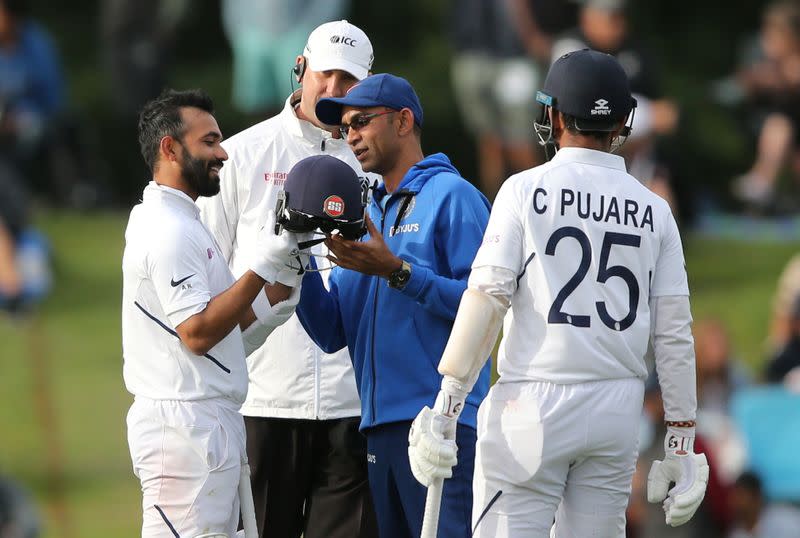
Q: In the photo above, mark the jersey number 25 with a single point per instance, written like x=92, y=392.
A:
x=556, y=315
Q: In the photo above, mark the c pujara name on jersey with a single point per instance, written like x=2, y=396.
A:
x=599, y=208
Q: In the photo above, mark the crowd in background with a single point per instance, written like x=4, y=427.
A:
x=46, y=157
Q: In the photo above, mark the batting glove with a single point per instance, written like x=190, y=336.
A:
x=272, y=253
x=431, y=453
x=432, y=440
x=689, y=472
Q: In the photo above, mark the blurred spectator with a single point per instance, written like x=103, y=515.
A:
x=138, y=39
x=495, y=74
x=13, y=219
x=646, y=520
x=31, y=83
x=782, y=368
x=769, y=83
x=265, y=36
x=603, y=25
x=38, y=140
x=137, y=45
x=769, y=419
x=786, y=293
x=719, y=376
x=31, y=98
x=755, y=517
x=18, y=517
x=719, y=373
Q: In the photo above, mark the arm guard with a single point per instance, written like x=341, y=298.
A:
x=477, y=324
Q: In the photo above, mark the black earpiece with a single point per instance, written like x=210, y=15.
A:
x=298, y=69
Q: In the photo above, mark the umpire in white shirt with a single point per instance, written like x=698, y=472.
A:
x=308, y=459
x=183, y=314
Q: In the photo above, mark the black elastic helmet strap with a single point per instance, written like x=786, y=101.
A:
x=571, y=123
x=545, y=128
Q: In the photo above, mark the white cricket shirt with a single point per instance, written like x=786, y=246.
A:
x=589, y=246
x=171, y=269
x=290, y=377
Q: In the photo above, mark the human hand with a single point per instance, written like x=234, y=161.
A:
x=431, y=446
x=371, y=257
x=292, y=274
x=689, y=472
x=273, y=252
x=431, y=442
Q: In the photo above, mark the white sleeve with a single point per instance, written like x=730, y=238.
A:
x=503, y=240
x=673, y=346
x=670, y=271
x=496, y=281
x=220, y=213
x=177, y=269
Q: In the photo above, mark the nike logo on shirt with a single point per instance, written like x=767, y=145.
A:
x=174, y=283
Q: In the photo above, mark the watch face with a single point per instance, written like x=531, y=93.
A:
x=399, y=278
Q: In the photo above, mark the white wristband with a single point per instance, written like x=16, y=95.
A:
x=679, y=441
x=451, y=398
x=261, y=306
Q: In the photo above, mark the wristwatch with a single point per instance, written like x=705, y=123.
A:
x=399, y=278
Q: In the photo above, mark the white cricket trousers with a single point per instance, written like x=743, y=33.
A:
x=188, y=456
x=563, y=453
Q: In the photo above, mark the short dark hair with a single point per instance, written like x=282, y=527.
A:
x=162, y=117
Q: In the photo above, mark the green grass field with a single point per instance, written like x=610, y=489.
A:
x=76, y=337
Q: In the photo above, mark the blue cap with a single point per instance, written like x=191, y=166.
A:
x=376, y=90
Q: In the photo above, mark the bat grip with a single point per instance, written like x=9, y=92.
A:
x=433, y=501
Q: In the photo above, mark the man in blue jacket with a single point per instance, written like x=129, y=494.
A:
x=394, y=296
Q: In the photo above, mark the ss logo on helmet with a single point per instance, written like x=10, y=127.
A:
x=333, y=206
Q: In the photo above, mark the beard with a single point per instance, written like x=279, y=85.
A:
x=197, y=174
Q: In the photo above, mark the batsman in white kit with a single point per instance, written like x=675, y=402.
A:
x=185, y=324
x=583, y=267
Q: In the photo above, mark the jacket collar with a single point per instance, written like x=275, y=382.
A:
x=589, y=156
x=303, y=130
x=173, y=198
x=418, y=175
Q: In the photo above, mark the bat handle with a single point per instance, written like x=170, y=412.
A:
x=433, y=501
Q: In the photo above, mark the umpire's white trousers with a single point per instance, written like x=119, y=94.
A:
x=188, y=457
x=550, y=452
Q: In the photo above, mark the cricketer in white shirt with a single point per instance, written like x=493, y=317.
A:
x=172, y=268
x=185, y=432
x=182, y=314
x=585, y=246
x=584, y=267
x=186, y=407
x=578, y=248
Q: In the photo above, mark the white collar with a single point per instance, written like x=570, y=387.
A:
x=589, y=156
x=304, y=129
x=173, y=197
